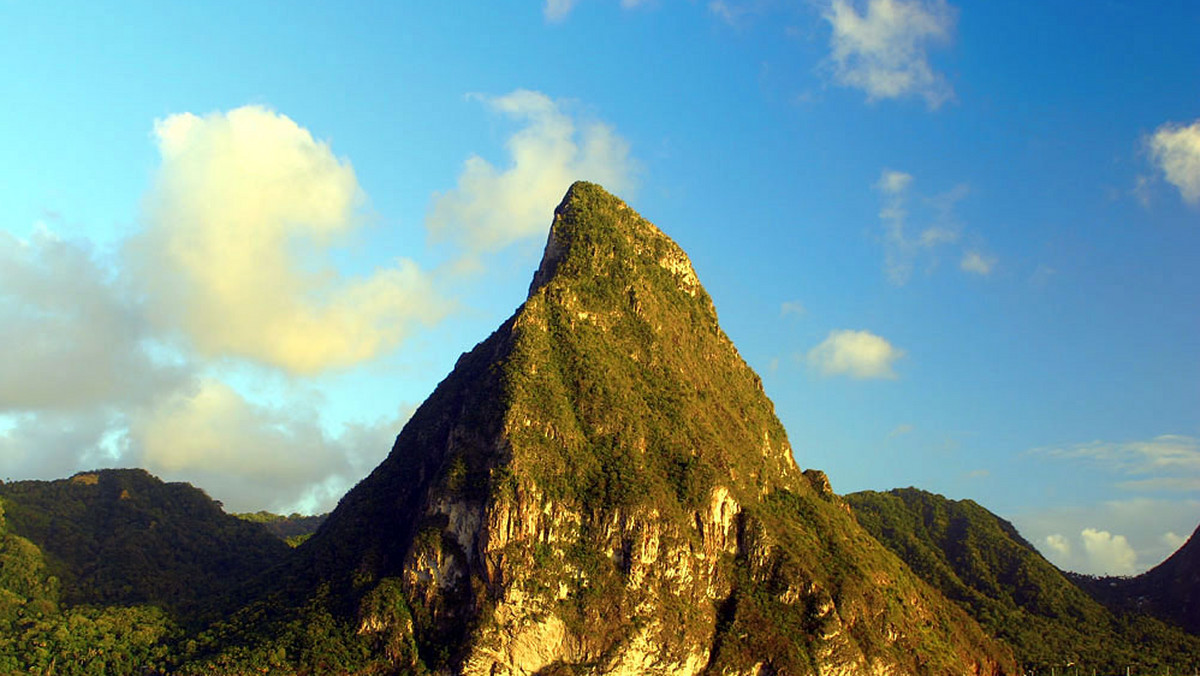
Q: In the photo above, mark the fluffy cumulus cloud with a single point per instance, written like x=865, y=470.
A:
x=1116, y=537
x=936, y=227
x=491, y=208
x=235, y=255
x=882, y=48
x=1175, y=149
x=1058, y=544
x=1110, y=554
x=1173, y=540
x=111, y=360
x=254, y=456
x=857, y=354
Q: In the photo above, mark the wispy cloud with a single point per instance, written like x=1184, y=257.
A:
x=491, y=208
x=860, y=355
x=977, y=263
x=1174, y=453
x=883, y=50
x=792, y=307
x=1175, y=149
x=557, y=10
x=905, y=244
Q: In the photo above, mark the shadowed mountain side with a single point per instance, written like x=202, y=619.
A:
x=980, y=561
x=123, y=537
x=602, y=487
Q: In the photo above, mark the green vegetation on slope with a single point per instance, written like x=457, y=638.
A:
x=123, y=537
x=38, y=635
x=980, y=561
x=294, y=529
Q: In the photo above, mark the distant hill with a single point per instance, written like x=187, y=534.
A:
x=124, y=537
x=40, y=636
x=1169, y=591
x=293, y=529
x=979, y=560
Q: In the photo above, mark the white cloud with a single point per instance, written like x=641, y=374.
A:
x=857, y=354
x=253, y=456
x=235, y=255
x=1176, y=151
x=977, y=263
x=54, y=444
x=1139, y=522
x=883, y=51
x=557, y=10
x=492, y=208
x=893, y=182
x=1057, y=544
x=792, y=307
x=1175, y=454
x=1109, y=554
x=1170, y=539
x=901, y=250
x=1181, y=484
x=736, y=13
x=72, y=339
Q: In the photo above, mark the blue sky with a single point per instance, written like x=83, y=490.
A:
x=240, y=242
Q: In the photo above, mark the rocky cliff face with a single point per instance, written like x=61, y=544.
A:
x=602, y=487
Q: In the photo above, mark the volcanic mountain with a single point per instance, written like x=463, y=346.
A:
x=602, y=487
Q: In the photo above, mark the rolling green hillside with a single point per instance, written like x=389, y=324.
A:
x=123, y=537
x=980, y=561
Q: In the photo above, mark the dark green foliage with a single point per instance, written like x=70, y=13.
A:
x=293, y=529
x=38, y=635
x=122, y=537
x=980, y=561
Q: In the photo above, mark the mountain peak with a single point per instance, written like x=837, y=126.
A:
x=594, y=232
x=602, y=486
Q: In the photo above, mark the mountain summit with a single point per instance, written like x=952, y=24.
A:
x=602, y=487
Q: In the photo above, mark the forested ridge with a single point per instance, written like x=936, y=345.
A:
x=981, y=562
